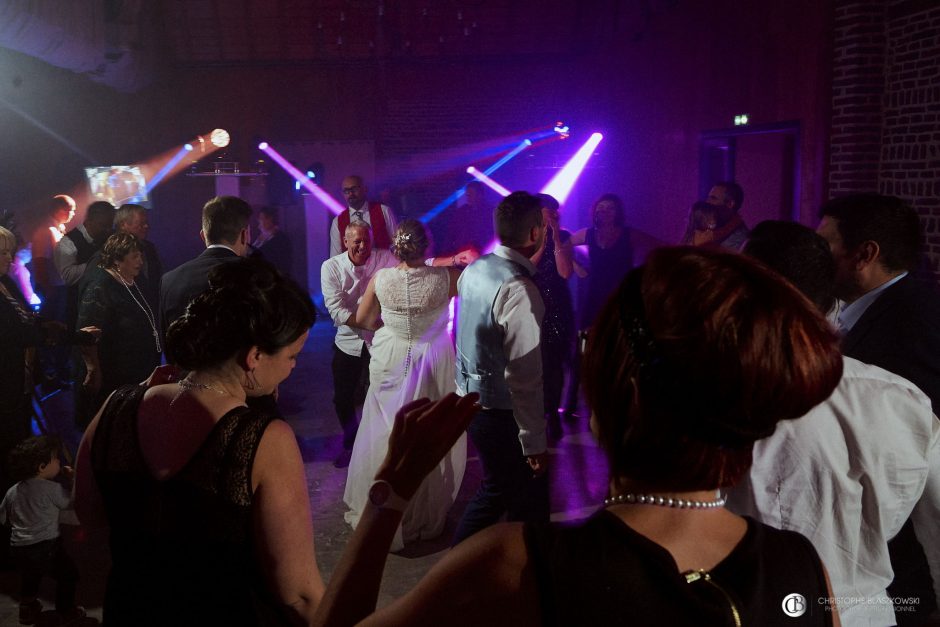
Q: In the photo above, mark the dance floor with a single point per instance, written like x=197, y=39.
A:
x=578, y=479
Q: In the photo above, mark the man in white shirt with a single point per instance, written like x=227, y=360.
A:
x=848, y=474
x=499, y=357
x=343, y=280
x=379, y=217
x=890, y=319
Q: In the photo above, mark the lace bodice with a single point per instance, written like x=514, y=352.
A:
x=414, y=301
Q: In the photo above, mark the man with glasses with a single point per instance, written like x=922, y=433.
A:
x=378, y=216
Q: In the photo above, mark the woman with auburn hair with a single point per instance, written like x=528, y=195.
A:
x=696, y=355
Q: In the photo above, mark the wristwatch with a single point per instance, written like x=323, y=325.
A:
x=382, y=496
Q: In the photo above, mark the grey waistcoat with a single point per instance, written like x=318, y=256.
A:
x=481, y=360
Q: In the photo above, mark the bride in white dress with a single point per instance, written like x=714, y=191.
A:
x=412, y=357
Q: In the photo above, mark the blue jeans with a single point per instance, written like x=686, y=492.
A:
x=508, y=486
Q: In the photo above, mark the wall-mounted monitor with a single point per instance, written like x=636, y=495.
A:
x=118, y=184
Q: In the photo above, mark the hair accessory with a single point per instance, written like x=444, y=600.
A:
x=678, y=392
x=402, y=238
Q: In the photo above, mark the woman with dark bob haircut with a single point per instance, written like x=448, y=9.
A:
x=111, y=299
x=696, y=355
x=206, y=498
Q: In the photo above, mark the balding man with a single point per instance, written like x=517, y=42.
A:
x=343, y=280
x=379, y=217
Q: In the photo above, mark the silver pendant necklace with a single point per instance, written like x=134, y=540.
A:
x=144, y=307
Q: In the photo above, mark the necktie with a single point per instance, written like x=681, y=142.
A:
x=357, y=215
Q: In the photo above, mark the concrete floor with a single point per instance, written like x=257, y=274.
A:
x=578, y=478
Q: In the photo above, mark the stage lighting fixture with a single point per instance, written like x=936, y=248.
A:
x=562, y=183
x=263, y=146
x=740, y=120
x=219, y=138
x=562, y=129
x=188, y=147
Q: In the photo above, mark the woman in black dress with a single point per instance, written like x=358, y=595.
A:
x=613, y=250
x=553, y=263
x=696, y=355
x=205, y=497
x=129, y=348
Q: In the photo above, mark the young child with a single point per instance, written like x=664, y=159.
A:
x=31, y=508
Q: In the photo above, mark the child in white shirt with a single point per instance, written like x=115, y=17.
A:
x=31, y=507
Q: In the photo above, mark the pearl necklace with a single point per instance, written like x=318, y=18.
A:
x=144, y=307
x=665, y=501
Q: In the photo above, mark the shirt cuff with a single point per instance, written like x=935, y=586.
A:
x=533, y=442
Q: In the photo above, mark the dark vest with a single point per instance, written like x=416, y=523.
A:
x=481, y=358
x=85, y=250
x=85, y=253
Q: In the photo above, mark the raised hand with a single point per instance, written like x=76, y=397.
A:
x=422, y=435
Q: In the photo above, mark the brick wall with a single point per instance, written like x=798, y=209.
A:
x=886, y=103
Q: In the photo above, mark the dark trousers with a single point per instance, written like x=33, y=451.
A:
x=348, y=375
x=555, y=356
x=46, y=559
x=508, y=486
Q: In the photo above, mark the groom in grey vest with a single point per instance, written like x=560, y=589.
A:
x=499, y=357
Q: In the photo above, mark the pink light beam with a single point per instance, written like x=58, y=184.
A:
x=331, y=203
x=493, y=185
x=562, y=183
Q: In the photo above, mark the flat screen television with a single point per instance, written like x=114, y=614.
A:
x=118, y=184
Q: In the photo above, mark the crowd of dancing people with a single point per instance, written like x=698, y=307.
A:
x=765, y=400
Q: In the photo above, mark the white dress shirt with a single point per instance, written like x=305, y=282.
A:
x=343, y=285
x=65, y=254
x=847, y=475
x=519, y=309
x=336, y=238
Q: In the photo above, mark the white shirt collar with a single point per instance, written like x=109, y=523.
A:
x=222, y=246
x=513, y=255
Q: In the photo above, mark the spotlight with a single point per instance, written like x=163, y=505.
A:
x=188, y=147
x=561, y=184
x=528, y=142
x=562, y=129
x=483, y=178
x=219, y=138
x=263, y=146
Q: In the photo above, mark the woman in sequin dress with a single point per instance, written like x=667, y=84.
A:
x=553, y=262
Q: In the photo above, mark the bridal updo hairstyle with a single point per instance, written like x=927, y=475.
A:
x=410, y=241
x=698, y=354
x=117, y=247
x=248, y=303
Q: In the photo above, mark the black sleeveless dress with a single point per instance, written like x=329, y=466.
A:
x=602, y=572
x=181, y=549
x=608, y=267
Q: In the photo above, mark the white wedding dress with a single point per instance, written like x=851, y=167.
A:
x=412, y=357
